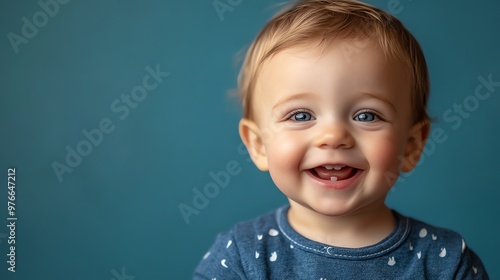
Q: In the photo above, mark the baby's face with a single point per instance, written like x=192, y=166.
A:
x=333, y=128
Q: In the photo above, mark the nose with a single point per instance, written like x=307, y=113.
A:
x=334, y=135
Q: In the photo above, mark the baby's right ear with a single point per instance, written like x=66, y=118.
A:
x=251, y=136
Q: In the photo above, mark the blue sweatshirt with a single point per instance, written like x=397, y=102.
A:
x=269, y=248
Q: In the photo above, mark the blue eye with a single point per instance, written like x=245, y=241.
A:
x=301, y=117
x=365, y=117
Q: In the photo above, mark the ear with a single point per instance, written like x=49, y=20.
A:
x=415, y=145
x=251, y=136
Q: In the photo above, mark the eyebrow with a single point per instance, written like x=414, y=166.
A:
x=308, y=95
x=381, y=99
x=291, y=98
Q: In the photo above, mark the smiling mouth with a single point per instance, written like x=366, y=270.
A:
x=333, y=172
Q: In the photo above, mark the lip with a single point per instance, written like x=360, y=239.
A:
x=336, y=185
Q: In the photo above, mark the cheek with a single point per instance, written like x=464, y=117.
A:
x=284, y=155
x=284, y=151
x=383, y=154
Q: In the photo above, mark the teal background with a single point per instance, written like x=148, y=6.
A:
x=119, y=207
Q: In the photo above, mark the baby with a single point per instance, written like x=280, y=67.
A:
x=334, y=97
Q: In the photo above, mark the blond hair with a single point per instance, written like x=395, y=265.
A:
x=325, y=20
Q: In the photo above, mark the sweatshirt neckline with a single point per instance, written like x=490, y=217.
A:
x=388, y=244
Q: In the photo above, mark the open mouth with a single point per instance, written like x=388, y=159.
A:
x=334, y=172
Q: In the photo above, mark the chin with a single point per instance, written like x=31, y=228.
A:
x=330, y=209
x=334, y=211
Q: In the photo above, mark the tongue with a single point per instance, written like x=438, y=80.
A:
x=334, y=175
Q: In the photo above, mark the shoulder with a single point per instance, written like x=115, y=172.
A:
x=443, y=251
x=229, y=256
x=420, y=230
x=434, y=241
x=255, y=228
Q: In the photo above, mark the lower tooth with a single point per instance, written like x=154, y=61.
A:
x=333, y=178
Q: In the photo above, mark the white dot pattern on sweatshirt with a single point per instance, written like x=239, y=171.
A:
x=391, y=261
x=443, y=252
x=273, y=232
x=273, y=257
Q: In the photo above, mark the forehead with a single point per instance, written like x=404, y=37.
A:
x=345, y=65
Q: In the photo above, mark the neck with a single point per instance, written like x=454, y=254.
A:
x=352, y=230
